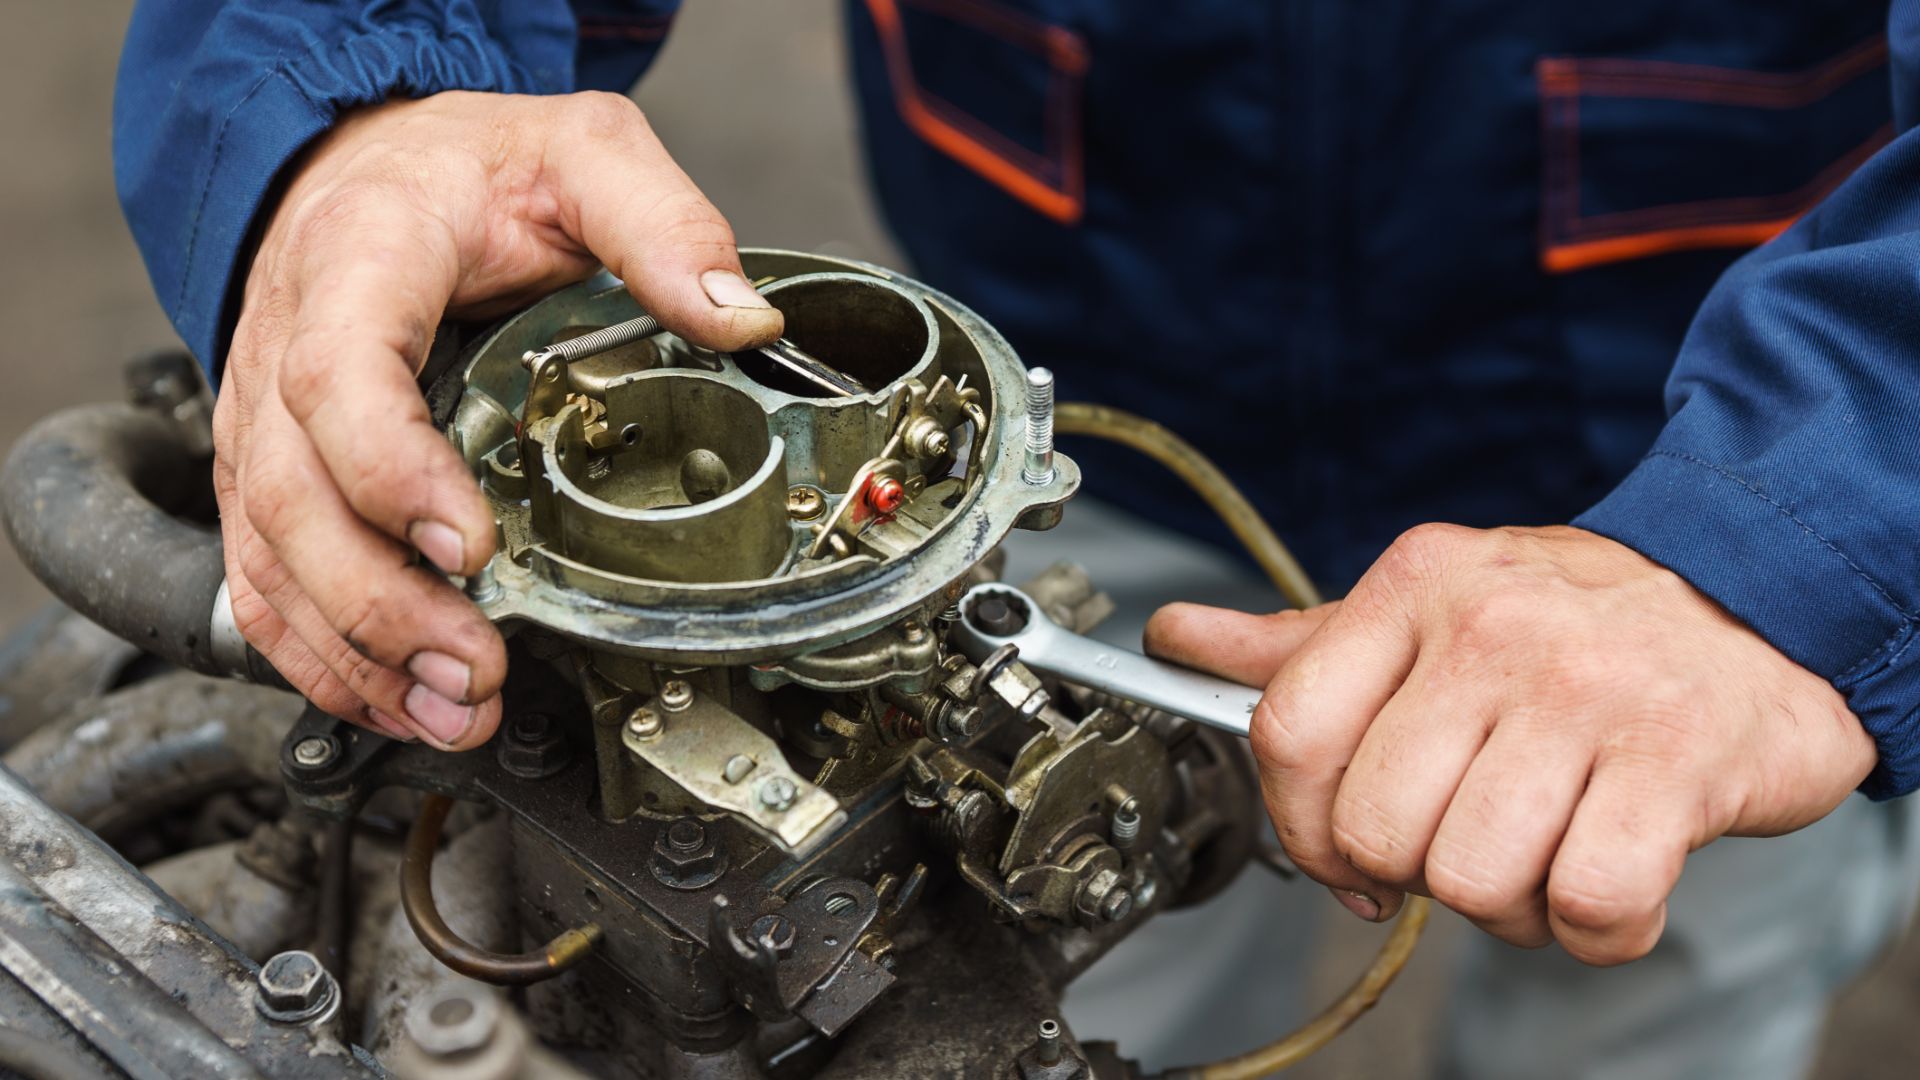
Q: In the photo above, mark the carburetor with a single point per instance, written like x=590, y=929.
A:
x=762, y=815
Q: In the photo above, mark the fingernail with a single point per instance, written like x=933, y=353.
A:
x=728, y=289
x=444, y=675
x=1359, y=903
x=446, y=721
x=440, y=544
x=393, y=728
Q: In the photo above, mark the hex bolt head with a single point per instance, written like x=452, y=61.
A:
x=676, y=695
x=686, y=857
x=315, y=751
x=453, y=1020
x=644, y=723
x=1118, y=905
x=294, y=988
x=777, y=792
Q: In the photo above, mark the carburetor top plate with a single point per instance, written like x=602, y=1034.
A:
x=666, y=502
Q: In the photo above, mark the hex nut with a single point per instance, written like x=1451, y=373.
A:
x=294, y=988
x=685, y=856
x=533, y=747
x=1104, y=898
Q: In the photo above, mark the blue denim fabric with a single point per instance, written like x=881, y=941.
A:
x=1391, y=262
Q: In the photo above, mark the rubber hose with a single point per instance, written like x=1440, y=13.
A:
x=92, y=498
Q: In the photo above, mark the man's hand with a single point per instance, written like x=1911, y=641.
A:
x=330, y=475
x=1532, y=726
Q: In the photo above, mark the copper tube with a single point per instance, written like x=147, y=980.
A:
x=499, y=969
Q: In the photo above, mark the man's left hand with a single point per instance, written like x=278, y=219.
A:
x=1532, y=726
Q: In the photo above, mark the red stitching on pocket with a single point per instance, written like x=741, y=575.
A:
x=1052, y=183
x=1570, y=240
x=645, y=28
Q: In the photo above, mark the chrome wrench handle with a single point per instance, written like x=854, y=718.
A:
x=993, y=615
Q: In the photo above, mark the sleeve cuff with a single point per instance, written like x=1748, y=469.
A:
x=1781, y=576
x=286, y=108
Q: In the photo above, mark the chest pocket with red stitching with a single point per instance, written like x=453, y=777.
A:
x=1021, y=79
x=1645, y=157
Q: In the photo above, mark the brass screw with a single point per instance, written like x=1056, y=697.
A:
x=644, y=723
x=805, y=503
x=676, y=695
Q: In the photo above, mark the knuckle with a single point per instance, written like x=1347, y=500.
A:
x=1466, y=886
x=1277, y=743
x=1593, y=901
x=270, y=494
x=1420, y=551
x=1378, y=852
x=600, y=115
x=305, y=381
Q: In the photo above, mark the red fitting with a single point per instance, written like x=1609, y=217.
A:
x=886, y=495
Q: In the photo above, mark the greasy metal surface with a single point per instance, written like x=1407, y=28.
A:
x=151, y=936
x=129, y=1019
x=729, y=764
x=701, y=606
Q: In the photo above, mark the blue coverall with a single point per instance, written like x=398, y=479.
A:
x=1397, y=261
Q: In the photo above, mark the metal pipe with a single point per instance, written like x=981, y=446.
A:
x=500, y=969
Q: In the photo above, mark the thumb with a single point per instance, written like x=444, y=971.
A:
x=1248, y=649
x=639, y=214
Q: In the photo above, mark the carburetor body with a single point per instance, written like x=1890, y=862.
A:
x=787, y=827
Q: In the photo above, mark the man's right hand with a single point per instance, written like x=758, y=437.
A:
x=329, y=473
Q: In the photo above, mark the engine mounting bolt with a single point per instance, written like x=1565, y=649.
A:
x=675, y=695
x=886, y=495
x=805, y=503
x=295, y=989
x=777, y=931
x=453, y=1020
x=1039, y=464
x=777, y=793
x=315, y=752
x=644, y=723
x=737, y=768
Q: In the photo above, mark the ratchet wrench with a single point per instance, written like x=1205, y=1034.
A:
x=993, y=615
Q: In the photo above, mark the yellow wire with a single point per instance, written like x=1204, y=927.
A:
x=1267, y=549
x=1206, y=480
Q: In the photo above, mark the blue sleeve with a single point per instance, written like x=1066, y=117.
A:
x=214, y=97
x=1786, y=484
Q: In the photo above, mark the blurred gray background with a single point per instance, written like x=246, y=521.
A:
x=751, y=97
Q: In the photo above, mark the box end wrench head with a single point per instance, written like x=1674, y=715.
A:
x=993, y=615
